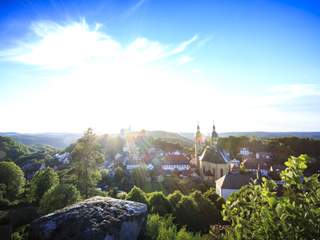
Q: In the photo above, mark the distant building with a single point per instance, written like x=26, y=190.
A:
x=253, y=165
x=175, y=162
x=213, y=162
x=232, y=182
x=264, y=156
x=63, y=158
x=244, y=152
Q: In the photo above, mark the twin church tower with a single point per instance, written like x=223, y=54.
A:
x=210, y=158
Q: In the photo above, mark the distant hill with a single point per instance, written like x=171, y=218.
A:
x=313, y=135
x=57, y=140
x=62, y=140
x=169, y=135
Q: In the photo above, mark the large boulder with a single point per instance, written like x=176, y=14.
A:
x=95, y=218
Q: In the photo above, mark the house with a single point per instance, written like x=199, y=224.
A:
x=63, y=158
x=264, y=156
x=253, y=165
x=232, y=182
x=173, y=162
x=244, y=152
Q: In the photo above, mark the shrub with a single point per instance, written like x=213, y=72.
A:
x=256, y=212
x=137, y=195
x=58, y=197
x=159, y=204
x=41, y=182
x=12, y=177
x=175, y=197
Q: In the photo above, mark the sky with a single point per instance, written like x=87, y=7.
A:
x=159, y=65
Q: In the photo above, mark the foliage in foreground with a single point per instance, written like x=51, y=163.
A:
x=163, y=228
x=256, y=212
x=58, y=197
x=11, y=179
x=195, y=212
x=41, y=182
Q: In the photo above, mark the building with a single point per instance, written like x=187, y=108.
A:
x=174, y=162
x=213, y=162
x=232, y=182
x=267, y=156
x=244, y=152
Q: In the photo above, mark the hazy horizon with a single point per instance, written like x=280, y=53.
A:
x=246, y=65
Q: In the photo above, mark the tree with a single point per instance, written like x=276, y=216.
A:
x=212, y=195
x=258, y=212
x=187, y=213
x=12, y=177
x=41, y=182
x=159, y=204
x=118, y=175
x=207, y=212
x=137, y=195
x=139, y=176
x=175, y=197
x=59, y=196
x=85, y=157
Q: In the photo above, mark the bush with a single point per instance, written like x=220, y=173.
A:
x=175, y=197
x=257, y=212
x=13, y=178
x=187, y=213
x=41, y=182
x=137, y=195
x=215, y=198
x=4, y=203
x=163, y=228
x=159, y=204
x=58, y=197
x=207, y=212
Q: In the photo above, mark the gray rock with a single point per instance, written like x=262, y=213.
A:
x=95, y=218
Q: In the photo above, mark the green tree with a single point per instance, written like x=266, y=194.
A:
x=187, y=213
x=118, y=175
x=212, y=195
x=85, y=157
x=139, y=176
x=41, y=182
x=137, y=195
x=175, y=197
x=207, y=212
x=12, y=177
x=159, y=204
x=59, y=196
x=256, y=212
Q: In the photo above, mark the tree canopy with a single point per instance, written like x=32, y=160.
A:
x=41, y=182
x=12, y=178
x=59, y=196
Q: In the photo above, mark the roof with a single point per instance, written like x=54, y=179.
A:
x=214, y=154
x=176, y=159
x=254, y=164
x=235, y=180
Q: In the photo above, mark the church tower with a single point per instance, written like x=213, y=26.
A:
x=214, y=136
x=197, y=147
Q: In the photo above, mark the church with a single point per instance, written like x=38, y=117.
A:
x=210, y=158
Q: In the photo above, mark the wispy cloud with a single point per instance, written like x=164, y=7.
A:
x=60, y=46
x=135, y=8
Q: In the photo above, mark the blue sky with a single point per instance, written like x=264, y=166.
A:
x=248, y=65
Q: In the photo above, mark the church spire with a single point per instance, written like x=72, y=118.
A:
x=214, y=135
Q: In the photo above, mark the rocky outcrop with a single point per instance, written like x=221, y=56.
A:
x=95, y=218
